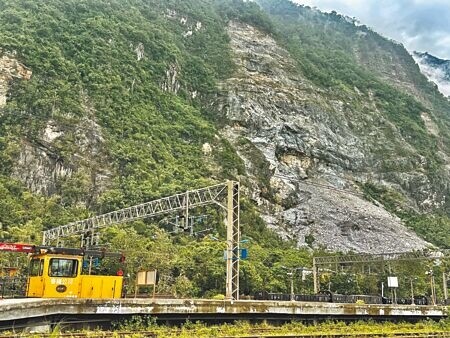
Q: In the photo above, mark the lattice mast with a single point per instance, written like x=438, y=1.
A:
x=233, y=241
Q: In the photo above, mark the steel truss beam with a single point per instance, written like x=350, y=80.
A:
x=210, y=195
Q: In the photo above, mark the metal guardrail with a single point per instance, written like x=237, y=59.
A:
x=328, y=297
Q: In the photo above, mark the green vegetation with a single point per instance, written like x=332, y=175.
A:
x=242, y=328
x=85, y=67
x=362, y=327
x=434, y=228
x=197, y=268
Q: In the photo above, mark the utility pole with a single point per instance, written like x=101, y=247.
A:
x=432, y=285
x=291, y=277
x=315, y=276
x=291, y=273
x=444, y=282
x=186, y=211
x=433, y=290
x=292, y=285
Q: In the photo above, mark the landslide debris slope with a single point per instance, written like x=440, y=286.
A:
x=304, y=160
x=327, y=114
x=338, y=139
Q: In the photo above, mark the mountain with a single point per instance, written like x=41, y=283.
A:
x=338, y=139
x=435, y=69
x=309, y=110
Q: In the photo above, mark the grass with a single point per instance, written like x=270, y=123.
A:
x=137, y=328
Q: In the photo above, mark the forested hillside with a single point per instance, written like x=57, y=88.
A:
x=106, y=104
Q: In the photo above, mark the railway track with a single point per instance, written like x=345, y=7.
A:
x=346, y=335
x=255, y=333
x=102, y=334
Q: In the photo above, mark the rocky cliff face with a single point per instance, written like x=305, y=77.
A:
x=39, y=163
x=305, y=156
x=10, y=69
x=46, y=170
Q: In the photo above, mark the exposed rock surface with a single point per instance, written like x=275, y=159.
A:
x=44, y=168
x=40, y=163
x=311, y=153
x=10, y=69
x=435, y=69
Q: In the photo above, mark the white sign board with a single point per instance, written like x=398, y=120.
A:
x=146, y=277
x=393, y=282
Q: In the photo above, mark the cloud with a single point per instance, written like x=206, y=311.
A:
x=437, y=75
x=422, y=25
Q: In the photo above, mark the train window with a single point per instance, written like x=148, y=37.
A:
x=41, y=267
x=62, y=267
x=36, y=267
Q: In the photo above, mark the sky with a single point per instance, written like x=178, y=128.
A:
x=420, y=25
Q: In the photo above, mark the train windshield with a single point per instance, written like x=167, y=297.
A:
x=62, y=267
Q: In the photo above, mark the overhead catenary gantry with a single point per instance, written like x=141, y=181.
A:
x=225, y=195
x=333, y=260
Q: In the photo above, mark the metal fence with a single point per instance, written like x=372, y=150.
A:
x=338, y=298
x=12, y=287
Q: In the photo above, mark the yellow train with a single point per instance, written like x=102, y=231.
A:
x=59, y=273
x=60, y=276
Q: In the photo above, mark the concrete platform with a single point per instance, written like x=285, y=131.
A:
x=197, y=309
